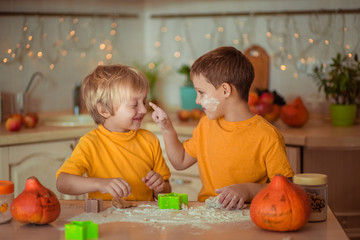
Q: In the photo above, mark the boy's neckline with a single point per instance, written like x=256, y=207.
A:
x=119, y=136
x=114, y=131
x=229, y=125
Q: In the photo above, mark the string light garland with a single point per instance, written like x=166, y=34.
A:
x=78, y=28
x=57, y=45
x=290, y=48
x=81, y=36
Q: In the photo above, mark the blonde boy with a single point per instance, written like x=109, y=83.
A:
x=119, y=158
x=237, y=152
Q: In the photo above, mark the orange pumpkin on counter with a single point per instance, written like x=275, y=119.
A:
x=294, y=114
x=280, y=206
x=36, y=204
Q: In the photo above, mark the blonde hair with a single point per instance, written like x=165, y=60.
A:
x=109, y=86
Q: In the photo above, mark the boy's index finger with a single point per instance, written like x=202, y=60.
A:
x=154, y=106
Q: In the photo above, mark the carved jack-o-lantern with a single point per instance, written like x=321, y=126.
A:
x=281, y=206
x=36, y=204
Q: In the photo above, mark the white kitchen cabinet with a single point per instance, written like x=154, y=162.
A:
x=294, y=156
x=342, y=169
x=181, y=183
x=42, y=160
x=185, y=181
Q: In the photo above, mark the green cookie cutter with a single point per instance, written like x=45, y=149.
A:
x=172, y=200
x=81, y=230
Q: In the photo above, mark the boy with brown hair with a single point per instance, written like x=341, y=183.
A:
x=237, y=152
x=119, y=158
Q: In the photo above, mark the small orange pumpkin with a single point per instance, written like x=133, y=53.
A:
x=36, y=204
x=294, y=114
x=280, y=206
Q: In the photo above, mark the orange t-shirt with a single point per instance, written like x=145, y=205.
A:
x=229, y=153
x=131, y=155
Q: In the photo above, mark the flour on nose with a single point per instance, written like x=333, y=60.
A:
x=210, y=103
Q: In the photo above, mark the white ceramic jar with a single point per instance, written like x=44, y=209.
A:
x=315, y=186
x=6, y=198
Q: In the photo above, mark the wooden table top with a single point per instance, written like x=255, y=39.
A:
x=13, y=230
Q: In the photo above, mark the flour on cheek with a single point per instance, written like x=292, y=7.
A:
x=209, y=103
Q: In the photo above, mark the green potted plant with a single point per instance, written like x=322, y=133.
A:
x=341, y=83
x=187, y=92
x=152, y=73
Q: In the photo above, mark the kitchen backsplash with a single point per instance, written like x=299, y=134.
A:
x=66, y=48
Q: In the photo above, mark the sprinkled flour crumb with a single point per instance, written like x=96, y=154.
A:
x=196, y=216
x=213, y=202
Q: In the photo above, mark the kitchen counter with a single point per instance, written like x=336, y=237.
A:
x=13, y=230
x=317, y=133
x=40, y=133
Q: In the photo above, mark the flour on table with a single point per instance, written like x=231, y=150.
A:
x=213, y=202
x=197, y=216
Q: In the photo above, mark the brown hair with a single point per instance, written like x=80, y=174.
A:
x=226, y=65
x=110, y=86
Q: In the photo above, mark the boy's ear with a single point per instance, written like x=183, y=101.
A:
x=227, y=89
x=103, y=110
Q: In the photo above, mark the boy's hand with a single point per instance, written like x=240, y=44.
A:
x=117, y=187
x=154, y=181
x=233, y=196
x=160, y=117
